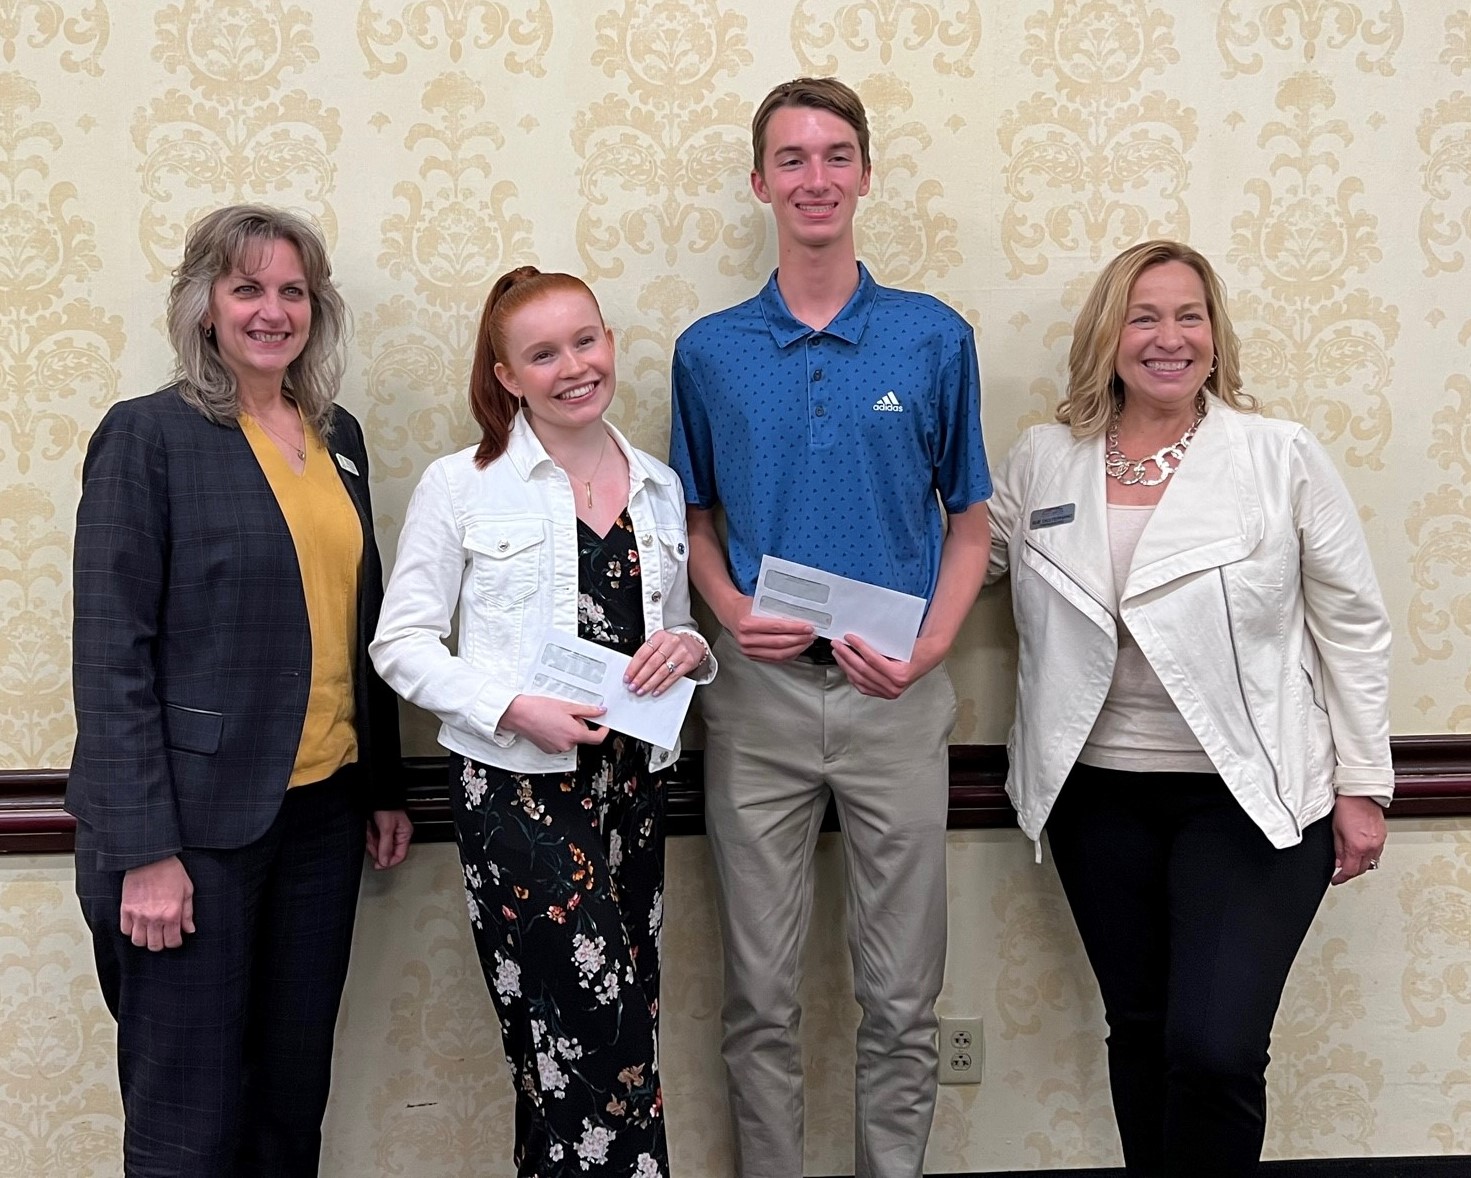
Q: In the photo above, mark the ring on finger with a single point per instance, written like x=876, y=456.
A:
x=1373, y=864
x=671, y=666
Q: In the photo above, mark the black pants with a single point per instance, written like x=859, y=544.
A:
x=1191, y=920
x=225, y=1044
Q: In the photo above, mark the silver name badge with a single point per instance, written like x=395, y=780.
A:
x=1050, y=517
x=346, y=464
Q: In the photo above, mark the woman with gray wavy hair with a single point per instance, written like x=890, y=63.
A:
x=232, y=736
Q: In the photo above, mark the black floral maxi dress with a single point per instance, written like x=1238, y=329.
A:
x=564, y=878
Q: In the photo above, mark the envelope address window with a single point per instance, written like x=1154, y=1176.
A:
x=813, y=591
x=782, y=608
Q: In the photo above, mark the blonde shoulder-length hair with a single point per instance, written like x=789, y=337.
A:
x=1095, y=392
x=237, y=237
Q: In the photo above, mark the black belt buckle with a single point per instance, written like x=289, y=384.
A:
x=819, y=653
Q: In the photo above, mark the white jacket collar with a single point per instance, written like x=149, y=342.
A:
x=526, y=453
x=1211, y=513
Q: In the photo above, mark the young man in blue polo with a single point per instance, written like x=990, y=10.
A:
x=830, y=418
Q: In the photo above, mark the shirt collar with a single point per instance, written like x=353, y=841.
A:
x=847, y=324
x=526, y=453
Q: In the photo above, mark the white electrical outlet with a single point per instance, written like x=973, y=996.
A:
x=961, y=1050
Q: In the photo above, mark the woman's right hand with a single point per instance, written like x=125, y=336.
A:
x=158, y=904
x=553, y=725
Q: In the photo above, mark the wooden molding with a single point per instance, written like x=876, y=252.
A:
x=31, y=817
x=1432, y=778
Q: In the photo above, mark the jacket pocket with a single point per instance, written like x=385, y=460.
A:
x=192, y=730
x=506, y=558
x=1312, y=671
x=674, y=555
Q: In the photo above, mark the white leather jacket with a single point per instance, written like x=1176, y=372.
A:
x=501, y=544
x=1251, y=594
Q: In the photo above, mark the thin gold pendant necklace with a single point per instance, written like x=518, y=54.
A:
x=588, y=482
x=299, y=451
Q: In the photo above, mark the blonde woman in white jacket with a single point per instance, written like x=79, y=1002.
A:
x=553, y=520
x=1202, y=719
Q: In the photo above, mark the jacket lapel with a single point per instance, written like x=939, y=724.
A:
x=1078, y=547
x=1211, y=512
x=339, y=447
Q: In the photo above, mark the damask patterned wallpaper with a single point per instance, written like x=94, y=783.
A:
x=1318, y=150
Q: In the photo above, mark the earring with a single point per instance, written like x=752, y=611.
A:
x=209, y=332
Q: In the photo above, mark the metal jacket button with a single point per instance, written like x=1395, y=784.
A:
x=656, y=596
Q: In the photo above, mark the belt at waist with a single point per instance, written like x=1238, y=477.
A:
x=820, y=652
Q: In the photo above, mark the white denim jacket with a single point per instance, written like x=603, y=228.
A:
x=501, y=544
x=1251, y=594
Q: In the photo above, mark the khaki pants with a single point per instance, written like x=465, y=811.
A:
x=780, y=737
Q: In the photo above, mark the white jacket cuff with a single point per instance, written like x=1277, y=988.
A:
x=1364, y=782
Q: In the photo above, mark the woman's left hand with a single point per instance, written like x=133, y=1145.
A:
x=389, y=832
x=662, y=659
x=1358, y=837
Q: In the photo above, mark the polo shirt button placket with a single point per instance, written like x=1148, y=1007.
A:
x=819, y=409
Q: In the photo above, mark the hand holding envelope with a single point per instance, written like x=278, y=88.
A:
x=836, y=606
x=571, y=668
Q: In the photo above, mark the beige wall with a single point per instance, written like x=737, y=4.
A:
x=1317, y=151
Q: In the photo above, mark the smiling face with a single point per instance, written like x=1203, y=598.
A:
x=811, y=175
x=1165, y=349
x=558, y=358
x=261, y=316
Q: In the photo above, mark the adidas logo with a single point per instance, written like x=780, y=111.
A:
x=888, y=403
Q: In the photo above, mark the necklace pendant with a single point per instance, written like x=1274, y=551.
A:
x=588, y=485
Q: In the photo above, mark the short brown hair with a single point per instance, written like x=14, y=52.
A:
x=827, y=94
x=238, y=237
x=494, y=406
x=1095, y=392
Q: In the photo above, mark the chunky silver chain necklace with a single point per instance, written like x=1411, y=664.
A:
x=1132, y=472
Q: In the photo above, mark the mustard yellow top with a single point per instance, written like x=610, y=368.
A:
x=329, y=548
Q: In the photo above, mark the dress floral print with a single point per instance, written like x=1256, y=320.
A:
x=564, y=880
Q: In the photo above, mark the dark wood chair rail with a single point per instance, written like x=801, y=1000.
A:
x=1432, y=778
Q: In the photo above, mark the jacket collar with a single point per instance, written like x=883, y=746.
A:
x=1210, y=515
x=1212, y=512
x=527, y=455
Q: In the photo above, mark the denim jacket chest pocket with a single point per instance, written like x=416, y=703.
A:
x=506, y=557
x=673, y=554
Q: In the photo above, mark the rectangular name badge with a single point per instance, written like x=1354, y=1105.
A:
x=346, y=464
x=1050, y=517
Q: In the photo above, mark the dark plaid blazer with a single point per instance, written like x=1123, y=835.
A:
x=191, y=650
